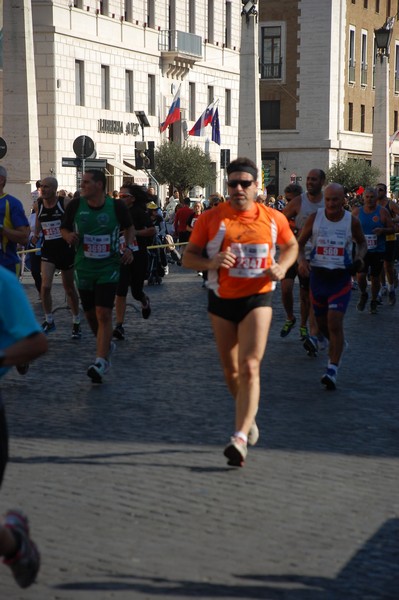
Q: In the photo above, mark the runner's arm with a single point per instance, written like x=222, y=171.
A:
x=288, y=255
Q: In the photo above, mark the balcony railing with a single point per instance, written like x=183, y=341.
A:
x=363, y=75
x=352, y=72
x=271, y=70
x=180, y=42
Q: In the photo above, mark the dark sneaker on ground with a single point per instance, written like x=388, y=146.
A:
x=288, y=325
x=25, y=563
x=119, y=332
x=311, y=345
x=373, y=307
x=303, y=333
x=146, y=310
x=236, y=452
x=76, y=331
x=329, y=379
x=362, y=302
x=97, y=371
x=23, y=369
x=391, y=298
x=47, y=327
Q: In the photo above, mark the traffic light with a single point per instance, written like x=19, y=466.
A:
x=145, y=155
x=394, y=183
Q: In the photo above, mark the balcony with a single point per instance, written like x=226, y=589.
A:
x=271, y=70
x=363, y=75
x=179, y=51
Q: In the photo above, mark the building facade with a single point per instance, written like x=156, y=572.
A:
x=317, y=85
x=96, y=64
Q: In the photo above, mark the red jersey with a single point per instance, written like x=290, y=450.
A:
x=252, y=236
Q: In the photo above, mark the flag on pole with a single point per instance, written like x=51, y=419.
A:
x=174, y=112
x=204, y=120
x=216, y=127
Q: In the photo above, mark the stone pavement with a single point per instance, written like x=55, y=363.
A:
x=127, y=490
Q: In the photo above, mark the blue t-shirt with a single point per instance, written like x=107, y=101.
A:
x=17, y=320
x=12, y=215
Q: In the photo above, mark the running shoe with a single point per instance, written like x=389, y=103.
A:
x=146, y=310
x=25, y=563
x=288, y=325
x=373, y=307
x=362, y=302
x=311, y=345
x=47, y=327
x=76, y=331
x=323, y=343
x=119, y=332
x=97, y=371
x=329, y=379
x=236, y=452
x=384, y=290
x=253, y=434
x=22, y=369
x=391, y=298
x=303, y=333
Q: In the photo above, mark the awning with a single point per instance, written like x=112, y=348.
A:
x=139, y=177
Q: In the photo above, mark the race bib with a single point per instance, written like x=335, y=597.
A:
x=51, y=230
x=251, y=261
x=371, y=240
x=96, y=246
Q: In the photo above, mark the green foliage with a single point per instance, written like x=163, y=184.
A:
x=183, y=167
x=352, y=173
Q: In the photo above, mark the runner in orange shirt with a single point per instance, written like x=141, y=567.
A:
x=240, y=238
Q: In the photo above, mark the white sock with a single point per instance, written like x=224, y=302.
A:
x=242, y=436
x=49, y=318
x=76, y=319
x=332, y=366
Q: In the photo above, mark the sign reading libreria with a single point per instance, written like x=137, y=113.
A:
x=108, y=126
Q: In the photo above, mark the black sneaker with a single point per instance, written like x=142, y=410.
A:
x=146, y=310
x=119, y=332
x=373, y=307
x=25, y=563
x=47, y=327
x=362, y=302
x=23, y=368
x=76, y=331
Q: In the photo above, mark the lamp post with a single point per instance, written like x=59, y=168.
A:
x=380, y=147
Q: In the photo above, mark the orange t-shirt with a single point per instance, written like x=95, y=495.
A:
x=252, y=235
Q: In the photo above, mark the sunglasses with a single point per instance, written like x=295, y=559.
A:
x=236, y=182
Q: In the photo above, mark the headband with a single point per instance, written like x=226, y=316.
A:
x=233, y=168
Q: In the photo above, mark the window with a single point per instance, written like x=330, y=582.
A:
x=227, y=36
x=211, y=94
x=227, y=107
x=172, y=15
x=271, y=53
x=350, y=116
x=105, y=87
x=79, y=83
x=151, y=13
x=270, y=114
x=151, y=94
x=353, y=1
x=129, y=91
x=372, y=119
x=352, y=61
x=395, y=121
x=104, y=7
x=191, y=16
x=191, y=109
x=78, y=3
x=397, y=68
x=363, y=70
x=377, y=6
x=365, y=3
x=129, y=11
x=362, y=118
x=211, y=20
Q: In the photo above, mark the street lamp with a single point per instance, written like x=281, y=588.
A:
x=380, y=148
x=142, y=119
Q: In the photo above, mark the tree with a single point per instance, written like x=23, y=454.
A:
x=183, y=167
x=352, y=173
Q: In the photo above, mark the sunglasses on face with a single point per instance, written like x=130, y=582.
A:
x=236, y=182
